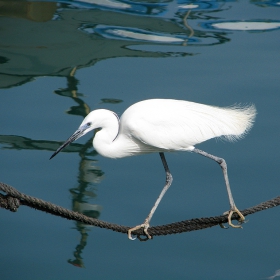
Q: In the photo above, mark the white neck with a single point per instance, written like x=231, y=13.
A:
x=103, y=141
x=111, y=141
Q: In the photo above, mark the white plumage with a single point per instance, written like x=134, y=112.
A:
x=161, y=125
x=165, y=125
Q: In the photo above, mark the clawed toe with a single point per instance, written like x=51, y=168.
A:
x=145, y=227
x=223, y=227
x=241, y=219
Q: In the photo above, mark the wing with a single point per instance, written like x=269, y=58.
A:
x=178, y=125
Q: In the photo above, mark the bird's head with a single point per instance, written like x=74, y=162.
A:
x=86, y=126
x=94, y=120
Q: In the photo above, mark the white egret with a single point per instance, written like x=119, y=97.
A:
x=165, y=125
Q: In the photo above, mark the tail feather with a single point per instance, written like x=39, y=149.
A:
x=239, y=120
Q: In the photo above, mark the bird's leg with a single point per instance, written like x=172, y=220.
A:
x=233, y=208
x=168, y=183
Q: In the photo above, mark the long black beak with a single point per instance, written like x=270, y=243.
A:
x=77, y=134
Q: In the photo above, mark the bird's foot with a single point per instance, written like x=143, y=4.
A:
x=241, y=219
x=145, y=227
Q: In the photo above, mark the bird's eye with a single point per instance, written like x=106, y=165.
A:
x=89, y=124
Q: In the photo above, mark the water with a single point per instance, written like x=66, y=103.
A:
x=61, y=60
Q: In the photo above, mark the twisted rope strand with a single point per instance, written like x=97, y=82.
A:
x=13, y=199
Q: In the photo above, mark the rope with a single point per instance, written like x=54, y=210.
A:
x=13, y=199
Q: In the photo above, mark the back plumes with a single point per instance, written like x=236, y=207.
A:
x=230, y=123
x=239, y=121
x=179, y=125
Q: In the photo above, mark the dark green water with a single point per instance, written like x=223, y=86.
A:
x=58, y=61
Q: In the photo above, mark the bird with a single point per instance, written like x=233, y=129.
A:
x=166, y=125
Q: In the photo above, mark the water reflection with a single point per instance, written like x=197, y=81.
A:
x=245, y=25
x=78, y=34
x=67, y=34
x=133, y=34
x=34, y=11
x=59, y=38
x=54, y=47
x=111, y=100
x=264, y=3
x=89, y=173
x=277, y=273
x=72, y=91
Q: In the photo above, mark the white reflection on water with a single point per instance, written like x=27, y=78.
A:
x=188, y=6
x=107, y=3
x=247, y=25
x=143, y=36
x=277, y=273
x=136, y=34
